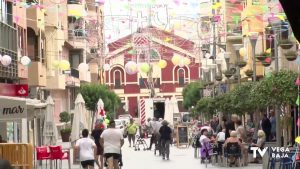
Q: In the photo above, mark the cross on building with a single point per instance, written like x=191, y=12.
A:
x=140, y=19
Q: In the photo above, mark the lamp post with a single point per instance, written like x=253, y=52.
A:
x=237, y=48
x=253, y=39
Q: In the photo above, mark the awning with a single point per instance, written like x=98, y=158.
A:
x=13, y=108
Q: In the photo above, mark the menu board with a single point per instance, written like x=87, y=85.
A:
x=182, y=135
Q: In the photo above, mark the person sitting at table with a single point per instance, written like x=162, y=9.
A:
x=261, y=139
x=233, y=139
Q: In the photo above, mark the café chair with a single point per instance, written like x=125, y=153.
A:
x=233, y=150
x=42, y=154
x=56, y=153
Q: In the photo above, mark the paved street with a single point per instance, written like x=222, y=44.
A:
x=179, y=159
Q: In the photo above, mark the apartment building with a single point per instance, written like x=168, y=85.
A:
x=75, y=37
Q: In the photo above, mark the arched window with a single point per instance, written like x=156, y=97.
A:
x=181, y=77
x=117, y=79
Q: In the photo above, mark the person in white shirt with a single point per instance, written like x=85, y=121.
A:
x=87, y=150
x=112, y=140
x=221, y=136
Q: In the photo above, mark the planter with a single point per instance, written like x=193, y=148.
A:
x=228, y=75
x=65, y=135
x=249, y=73
x=236, y=77
x=286, y=46
x=242, y=64
x=291, y=57
x=260, y=57
x=218, y=78
x=266, y=64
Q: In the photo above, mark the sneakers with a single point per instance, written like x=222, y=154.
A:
x=163, y=158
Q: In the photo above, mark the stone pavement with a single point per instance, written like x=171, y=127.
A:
x=179, y=159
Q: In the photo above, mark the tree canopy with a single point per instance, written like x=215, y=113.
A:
x=278, y=89
x=93, y=92
x=191, y=94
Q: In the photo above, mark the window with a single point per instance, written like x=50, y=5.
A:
x=143, y=82
x=75, y=59
x=6, y=12
x=118, y=79
x=181, y=76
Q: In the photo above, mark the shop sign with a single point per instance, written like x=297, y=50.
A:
x=12, y=109
x=14, y=90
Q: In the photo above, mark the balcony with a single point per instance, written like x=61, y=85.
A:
x=22, y=71
x=234, y=31
x=37, y=74
x=85, y=76
x=37, y=17
x=76, y=9
x=57, y=82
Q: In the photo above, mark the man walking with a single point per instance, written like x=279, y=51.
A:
x=96, y=133
x=131, y=129
x=112, y=141
x=166, y=137
x=87, y=150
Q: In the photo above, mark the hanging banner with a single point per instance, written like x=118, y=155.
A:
x=15, y=90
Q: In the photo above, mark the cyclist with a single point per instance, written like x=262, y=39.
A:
x=112, y=140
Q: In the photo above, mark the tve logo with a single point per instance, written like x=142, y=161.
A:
x=276, y=152
x=261, y=152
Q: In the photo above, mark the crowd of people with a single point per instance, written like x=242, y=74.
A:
x=105, y=147
x=216, y=135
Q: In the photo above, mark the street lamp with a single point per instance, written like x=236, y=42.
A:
x=253, y=36
x=237, y=48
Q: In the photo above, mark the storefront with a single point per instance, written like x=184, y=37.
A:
x=21, y=119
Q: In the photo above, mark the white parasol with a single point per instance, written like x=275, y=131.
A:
x=100, y=110
x=168, y=111
x=50, y=130
x=79, y=121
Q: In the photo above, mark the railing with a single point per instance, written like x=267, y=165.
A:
x=19, y=155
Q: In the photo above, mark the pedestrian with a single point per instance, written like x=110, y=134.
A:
x=241, y=131
x=229, y=126
x=112, y=141
x=266, y=126
x=87, y=150
x=4, y=164
x=131, y=129
x=96, y=133
x=155, y=128
x=273, y=125
x=214, y=123
x=166, y=136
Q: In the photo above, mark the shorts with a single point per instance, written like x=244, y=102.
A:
x=86, y=163
x=114, y=155
x=99, y=150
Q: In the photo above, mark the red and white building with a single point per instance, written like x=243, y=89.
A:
x=168, y=82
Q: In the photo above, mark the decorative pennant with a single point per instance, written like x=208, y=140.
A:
x=298, y=103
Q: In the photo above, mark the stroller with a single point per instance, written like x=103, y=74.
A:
x=140, y=142
x=206, y=151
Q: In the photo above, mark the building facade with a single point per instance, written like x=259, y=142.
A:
x=167, y=82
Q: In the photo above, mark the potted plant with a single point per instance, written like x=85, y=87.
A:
x=242, y=64
x=228, y=73
x=219, y=78
x=249, y=73
x=291, y=55
x=286, y=44
x=265, y=63
x=66, y=131
x=262, y=56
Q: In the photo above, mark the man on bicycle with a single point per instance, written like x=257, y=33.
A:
x=112, y=140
